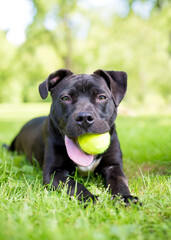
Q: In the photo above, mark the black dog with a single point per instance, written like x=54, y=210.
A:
x=80, y=104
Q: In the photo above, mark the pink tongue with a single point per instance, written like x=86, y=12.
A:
x=76, y=154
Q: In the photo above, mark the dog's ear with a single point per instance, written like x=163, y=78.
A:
x=52, y=80
x=116, y=81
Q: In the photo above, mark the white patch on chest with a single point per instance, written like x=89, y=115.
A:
x=84, y=170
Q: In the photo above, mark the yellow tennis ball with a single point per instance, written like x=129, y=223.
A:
x=93, y=143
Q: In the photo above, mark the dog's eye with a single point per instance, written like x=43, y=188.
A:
x=101, y=97
x=66, y=99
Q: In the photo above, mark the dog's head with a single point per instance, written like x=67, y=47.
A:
x=84, y=103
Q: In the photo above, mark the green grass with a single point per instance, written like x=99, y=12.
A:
x=28, y=211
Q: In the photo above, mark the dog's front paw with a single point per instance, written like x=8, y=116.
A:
x=86, y=200
x=131, y=199
x=90, y=198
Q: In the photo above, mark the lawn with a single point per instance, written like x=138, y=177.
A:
x=28, y=211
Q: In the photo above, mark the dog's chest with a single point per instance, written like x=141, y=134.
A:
x=85, y=170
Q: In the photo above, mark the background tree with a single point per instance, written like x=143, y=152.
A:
x=70, y=34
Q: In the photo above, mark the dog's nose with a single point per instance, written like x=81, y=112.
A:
x=84, y=119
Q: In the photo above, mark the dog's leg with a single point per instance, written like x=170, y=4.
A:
x=55, y=173
x=118, y=183
x=113, y=172
x=116, y=180
x=59, y=178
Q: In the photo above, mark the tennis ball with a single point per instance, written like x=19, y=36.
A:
x=93, y=143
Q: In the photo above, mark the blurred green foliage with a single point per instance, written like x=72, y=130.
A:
x=65, y=34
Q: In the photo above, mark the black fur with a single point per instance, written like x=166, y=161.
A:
x=77, y=108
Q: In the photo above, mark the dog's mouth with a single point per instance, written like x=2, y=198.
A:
x=76, y=154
